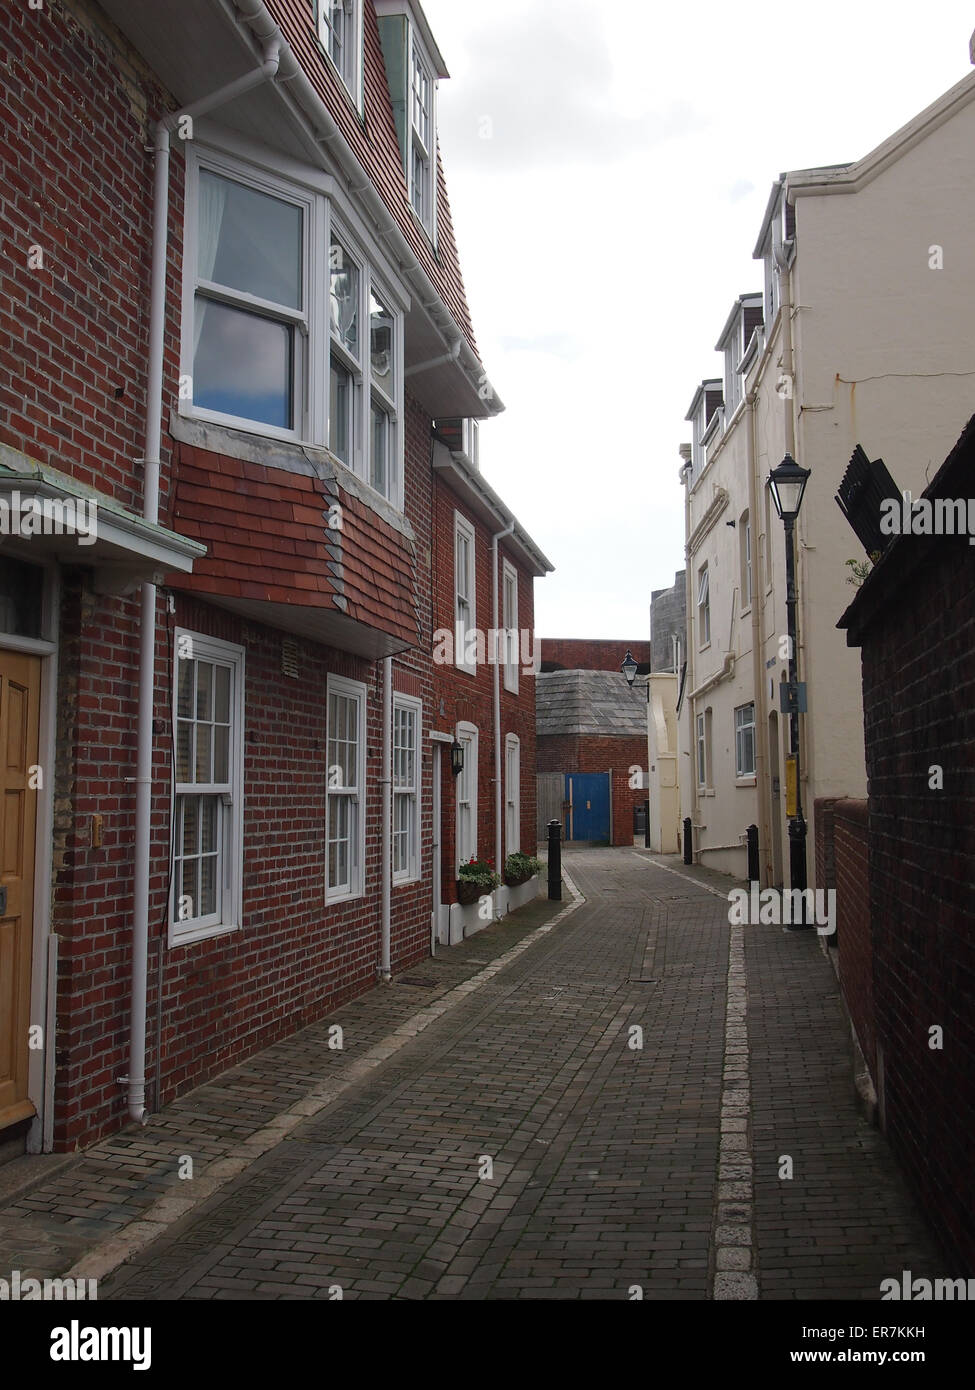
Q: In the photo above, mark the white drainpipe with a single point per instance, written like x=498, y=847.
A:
x=386, y=838
x=136, y=1079
x=499, y=535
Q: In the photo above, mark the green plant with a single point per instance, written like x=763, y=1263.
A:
x=521, y=866
x=480, y=873
x=861, y=568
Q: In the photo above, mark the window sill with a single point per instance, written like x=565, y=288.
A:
x=704, y=646
x=751, y=781
x=194, y=935
x=745, y=612
x=337, y=899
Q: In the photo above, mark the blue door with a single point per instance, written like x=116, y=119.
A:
x=588, y=793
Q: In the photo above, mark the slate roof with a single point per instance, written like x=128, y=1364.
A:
x=589, y=702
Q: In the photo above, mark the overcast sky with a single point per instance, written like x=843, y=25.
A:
x=608, y=169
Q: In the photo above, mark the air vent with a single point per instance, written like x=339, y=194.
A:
x=289, y=657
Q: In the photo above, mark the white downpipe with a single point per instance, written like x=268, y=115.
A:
x=135, y=1081
x=385, y=970
x=499, y=535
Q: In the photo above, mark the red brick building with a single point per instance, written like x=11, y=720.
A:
x=903, y=862
x=592, y=738
x=232, y=310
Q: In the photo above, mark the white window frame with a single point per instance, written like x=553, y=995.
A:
x=229, y=795
x=733, y=386
x=742, y=725
x=465, y=528
x=353, y=690
x=410, y=793
x=350, y=74
x=261, y=182
x=466, y=790
x=509, y=624
x=418, y=57
x=700, y=735
x=704, y=606
x=512, y=795
x=747, y=576
x=313, y=337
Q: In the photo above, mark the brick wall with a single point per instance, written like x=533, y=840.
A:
x=460, y=696
x=587, y=753
x=842, y=863
x=918, y=668
x=598, y=654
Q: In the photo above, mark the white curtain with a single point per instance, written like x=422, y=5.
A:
x=212, y=204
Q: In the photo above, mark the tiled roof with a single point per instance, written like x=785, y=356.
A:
x=268, y=539
x=589, y=702
x=375, y=144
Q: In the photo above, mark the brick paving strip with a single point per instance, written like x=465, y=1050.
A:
x=62, y=1220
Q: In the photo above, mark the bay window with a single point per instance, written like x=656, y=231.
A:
x=275, y=341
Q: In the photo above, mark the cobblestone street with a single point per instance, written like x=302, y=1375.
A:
x=493, y=1128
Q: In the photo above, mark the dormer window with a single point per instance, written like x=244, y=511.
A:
x=414, y=65
x=339, y=30
x=422, y=136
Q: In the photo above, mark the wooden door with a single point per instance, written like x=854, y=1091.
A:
x=19, y=691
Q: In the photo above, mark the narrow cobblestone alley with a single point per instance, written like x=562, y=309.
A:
x=525, y=1145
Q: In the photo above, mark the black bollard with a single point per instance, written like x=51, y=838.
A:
x=646, y=825
x=688, y=843
x=555, y=861
x=753, y=871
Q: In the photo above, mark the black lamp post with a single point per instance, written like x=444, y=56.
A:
x=788, y=484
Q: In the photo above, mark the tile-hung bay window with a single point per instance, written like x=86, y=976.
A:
x=465, y=616
x=703, y=607
x=512, y=794
x=422, y=154
x=345, y=796
x=509, y=622
x=208, y=802
x=466, y=784
x=340, y=33
x=745, y=741
x=407, y=718
x=289, y=329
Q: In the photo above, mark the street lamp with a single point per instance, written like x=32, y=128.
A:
x=788, y=485
x=456, y=758
x=629, y=669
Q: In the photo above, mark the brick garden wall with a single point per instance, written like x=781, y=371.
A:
x=588, y=753
x=842, y=862
x=584, y=654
